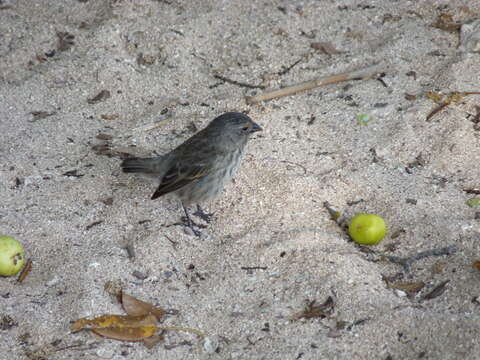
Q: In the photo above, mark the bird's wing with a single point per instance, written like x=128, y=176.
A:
x=179, y=176
x=191, y=163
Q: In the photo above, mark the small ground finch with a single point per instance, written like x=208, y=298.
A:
x=197, y=170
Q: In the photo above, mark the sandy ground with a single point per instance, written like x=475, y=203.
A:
x=74, y=210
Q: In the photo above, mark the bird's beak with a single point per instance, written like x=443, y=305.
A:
x=255, y=127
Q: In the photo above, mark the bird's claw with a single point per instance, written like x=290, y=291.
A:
x=207, y=217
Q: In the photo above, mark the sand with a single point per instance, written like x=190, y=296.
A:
x=272, y=247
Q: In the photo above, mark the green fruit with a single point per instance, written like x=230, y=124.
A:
x=12, y=256
x=474, y=202
x=367, y=229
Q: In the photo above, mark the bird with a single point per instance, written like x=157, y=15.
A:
x=198, y=169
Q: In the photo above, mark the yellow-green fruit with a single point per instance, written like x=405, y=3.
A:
x=367, y=229
x=12, y=256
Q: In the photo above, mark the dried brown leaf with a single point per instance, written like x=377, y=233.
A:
x=109, y=117
x=151, y=341
x=135, y=307
x=101, y=96
x=65, y=41
x=445, y=22
x=316, y=311
x=476, y=264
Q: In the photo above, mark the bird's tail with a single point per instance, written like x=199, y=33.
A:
x=141, y=165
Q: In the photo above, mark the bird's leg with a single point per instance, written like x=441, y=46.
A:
x=207, y=217
x=189, y=222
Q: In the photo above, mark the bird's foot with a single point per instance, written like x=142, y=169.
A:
x=207, y=217
x=193, y=227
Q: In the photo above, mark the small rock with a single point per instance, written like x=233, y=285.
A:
x=187, y=230
x=139, y=275
x=470, y=37
x=105, y=353
x=53, y=281
x=210, y=344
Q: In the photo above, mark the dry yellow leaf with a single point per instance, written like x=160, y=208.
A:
x=120, y=327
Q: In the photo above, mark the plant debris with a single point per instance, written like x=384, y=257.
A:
x=325, y=47
x=38, y=115
x=316, y=311
x=107, y=201
x=475, y=191
x=104, y=137
x=411, y=288
x=25, y=271
x=139, y=325
x=476, y=264
x=445, y=22
x=95, y=223
x=286, y=69
x=7, y=322
x=334, y=214
x=407, y=262
x=446, y=100
x=120, y=327
x=361, y=74
x=73, y=173
x=109, y=117
x=135, y=307
x=101, y=96
x=437, y=291
x=65, y=41
x=237, y=83
x=473, y=202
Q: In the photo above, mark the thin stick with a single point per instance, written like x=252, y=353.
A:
x=361, y=74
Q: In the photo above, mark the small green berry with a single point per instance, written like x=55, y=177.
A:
x=12, y=256
x=367, y=229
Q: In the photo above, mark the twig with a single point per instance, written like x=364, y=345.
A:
x=253, y=268
x=436, y=110
x=437, y=291
x=238, y=83
x=361, y=74
x=452, y=97
x=406, y=262
x=336, y=216
x=290, y=67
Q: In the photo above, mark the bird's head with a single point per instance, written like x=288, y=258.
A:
x=234, y=123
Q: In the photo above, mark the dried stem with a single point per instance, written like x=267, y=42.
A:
x=361, y=74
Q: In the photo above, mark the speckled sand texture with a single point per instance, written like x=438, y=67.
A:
x=162, y=63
